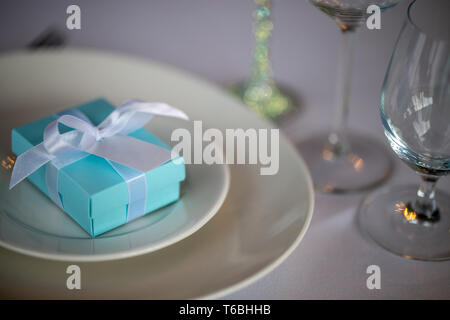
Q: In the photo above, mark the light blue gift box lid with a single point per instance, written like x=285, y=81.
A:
x=91, y=191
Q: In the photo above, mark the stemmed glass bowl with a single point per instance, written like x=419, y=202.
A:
x=414, y=222
x=340, y=161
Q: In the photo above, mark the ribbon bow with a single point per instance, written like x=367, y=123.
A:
x=108, y=140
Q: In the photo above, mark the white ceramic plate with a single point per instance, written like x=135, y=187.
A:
x=37, y=227
x=261, y=221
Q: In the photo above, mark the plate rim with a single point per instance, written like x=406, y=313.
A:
x=133, y=252
x=277, y=262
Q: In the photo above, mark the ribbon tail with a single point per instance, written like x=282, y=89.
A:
x=28, y=162
x=159, y=109
x=141, y=112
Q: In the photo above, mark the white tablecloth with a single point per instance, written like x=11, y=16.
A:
x=212, y=38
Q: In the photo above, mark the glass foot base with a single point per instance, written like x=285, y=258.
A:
x=385, y=216
x=365, y=166
x=270, y=101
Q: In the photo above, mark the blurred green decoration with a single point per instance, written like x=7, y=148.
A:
x=260, y=91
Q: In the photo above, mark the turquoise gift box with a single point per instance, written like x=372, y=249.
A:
x=91, y=191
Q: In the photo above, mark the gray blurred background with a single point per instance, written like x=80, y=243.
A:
x=213, y=39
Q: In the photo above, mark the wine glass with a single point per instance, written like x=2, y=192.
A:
x=414, y=222
x=340, y=162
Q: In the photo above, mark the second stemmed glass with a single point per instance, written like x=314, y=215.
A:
x=340, y=162
x=414, y=222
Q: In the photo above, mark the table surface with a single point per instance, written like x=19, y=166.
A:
x=213, y=39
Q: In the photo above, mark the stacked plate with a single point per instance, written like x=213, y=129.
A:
x=231, y=226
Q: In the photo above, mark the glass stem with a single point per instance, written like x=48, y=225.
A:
x=262, y=28
x=338, y=136
x=425, y=205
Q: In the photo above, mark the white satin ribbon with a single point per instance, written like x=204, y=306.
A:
x=129, y=156
x=53, y=167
